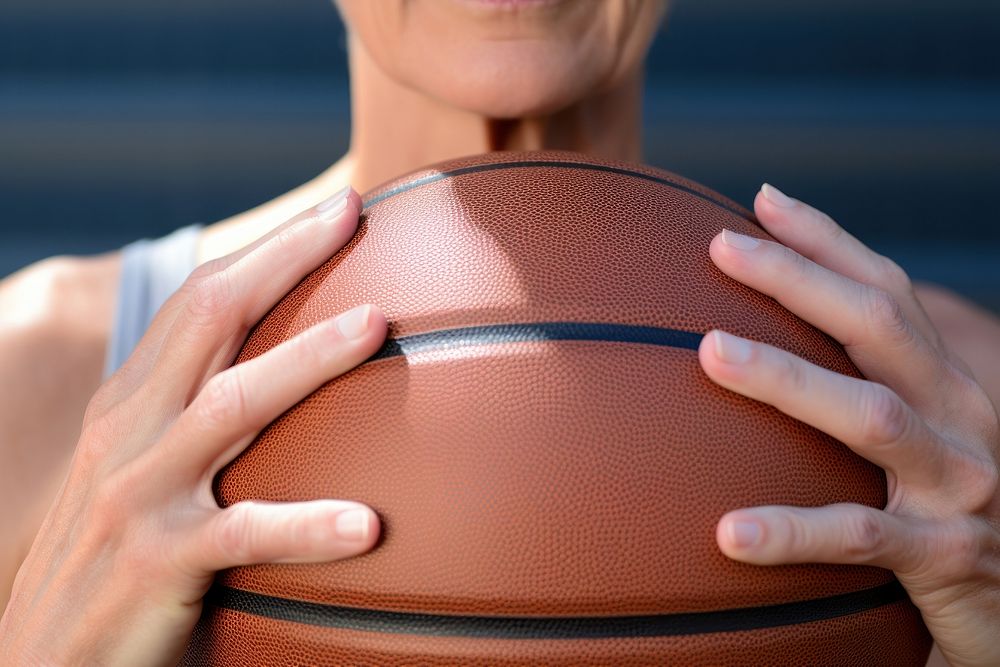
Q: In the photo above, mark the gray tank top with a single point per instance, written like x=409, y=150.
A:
x=151, y=271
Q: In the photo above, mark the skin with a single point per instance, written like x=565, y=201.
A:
x=109, y=494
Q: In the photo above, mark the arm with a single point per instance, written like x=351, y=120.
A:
x=134, y=531
x=53, y=320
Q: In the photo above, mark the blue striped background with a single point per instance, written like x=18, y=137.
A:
x=121, y=119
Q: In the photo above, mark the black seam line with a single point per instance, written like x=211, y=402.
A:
x=530, y=627
x=542, y=163
x=498, y=334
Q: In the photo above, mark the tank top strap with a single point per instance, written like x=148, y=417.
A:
x=151, y=270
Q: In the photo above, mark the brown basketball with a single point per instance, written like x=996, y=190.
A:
x=547, y=457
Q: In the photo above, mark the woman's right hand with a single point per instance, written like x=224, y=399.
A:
x=128, y=549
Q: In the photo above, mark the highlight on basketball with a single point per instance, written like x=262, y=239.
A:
x=499, y=332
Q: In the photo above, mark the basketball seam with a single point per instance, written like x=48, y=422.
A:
x=522, y=164
x=533, y=627
x=519, y=332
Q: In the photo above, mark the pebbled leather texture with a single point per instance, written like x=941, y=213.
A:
x=522, y=473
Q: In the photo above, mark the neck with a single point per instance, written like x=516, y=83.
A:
x=396, y=129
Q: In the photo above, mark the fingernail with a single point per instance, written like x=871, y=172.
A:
x=776, y=196
x=731, y=349
x=739, y=241
x=353, y=525
x=328, y=208
x=744, y=533
x=354, y=323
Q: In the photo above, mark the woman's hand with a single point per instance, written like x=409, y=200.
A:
x=920, y=415
x=118, y=569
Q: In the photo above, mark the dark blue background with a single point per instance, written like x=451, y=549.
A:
x=122, y=118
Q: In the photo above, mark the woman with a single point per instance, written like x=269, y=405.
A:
x=114, y=524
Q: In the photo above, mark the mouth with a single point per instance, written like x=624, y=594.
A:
x=509, y=5
x=513, y=2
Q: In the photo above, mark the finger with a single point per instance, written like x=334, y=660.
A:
x=253, y=532
x=867, y=321
x=140, y=361
x=222, y=307
x=237, y=403
x=330, y=208
x=815, y=235
x=849, y=534
x=867, y=417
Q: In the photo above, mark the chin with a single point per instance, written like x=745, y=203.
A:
x=518, y=96
x=524, y=83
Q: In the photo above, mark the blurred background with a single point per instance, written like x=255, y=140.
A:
x=122, y=119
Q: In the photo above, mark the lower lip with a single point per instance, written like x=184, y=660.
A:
x=512, y=3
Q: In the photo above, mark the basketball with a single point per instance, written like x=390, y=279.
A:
x=548, y=460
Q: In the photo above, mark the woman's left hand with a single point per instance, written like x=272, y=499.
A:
x=920, y=415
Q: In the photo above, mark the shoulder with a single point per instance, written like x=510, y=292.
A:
x=61, y=298
x=55, y=317
x=54, y=320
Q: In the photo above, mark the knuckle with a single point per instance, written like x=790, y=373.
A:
x=798, y=266
x=97, y=437
x=886, y=317
x=988, y=483
x=980, y=482
x=100, y=403
x=800, y=540
x=110, y=502
x=211, y=267
x=308, y=350
x=864, y=536
x=958, y=549
x=828, y=226
x=891, y=277
x=792, y=375
x=296, y=533
x=200, y=274
x=210, y=302
x=115, y=395
x=286, y=241
x=885, y=417
x=982, y=410
x=223, y=400
x=106, y=501
x=203, y=271
x=235, y=534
